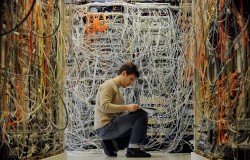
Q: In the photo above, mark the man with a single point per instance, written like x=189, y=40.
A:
x=119, y=123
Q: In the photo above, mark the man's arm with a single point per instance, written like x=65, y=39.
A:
x=106, y=105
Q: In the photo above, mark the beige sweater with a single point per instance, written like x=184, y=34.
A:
x=109, y=103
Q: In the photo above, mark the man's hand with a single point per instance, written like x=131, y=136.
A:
x=132, y=107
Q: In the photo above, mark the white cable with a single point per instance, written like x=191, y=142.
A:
x=151, y=42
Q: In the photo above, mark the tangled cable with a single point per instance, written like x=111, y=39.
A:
x=33, y=114
x=148, y=36
x=217, y=55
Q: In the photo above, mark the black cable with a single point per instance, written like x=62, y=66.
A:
x=23, y=20
x=57, y=27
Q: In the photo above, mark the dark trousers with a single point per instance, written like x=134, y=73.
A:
x=129, y=128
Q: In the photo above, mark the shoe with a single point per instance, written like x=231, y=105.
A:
x=108, y=148
x=136, y=152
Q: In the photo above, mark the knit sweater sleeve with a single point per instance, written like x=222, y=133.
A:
x=110, y=102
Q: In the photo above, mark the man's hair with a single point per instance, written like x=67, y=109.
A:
x=130, y=68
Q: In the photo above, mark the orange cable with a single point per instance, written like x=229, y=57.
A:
x=90, y=27
x=97, y=25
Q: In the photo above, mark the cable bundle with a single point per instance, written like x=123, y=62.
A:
x=95, y=23
x=149, y=37
x=217, y=54
x=32, y=47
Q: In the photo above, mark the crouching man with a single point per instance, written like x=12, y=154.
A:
x=120, y=125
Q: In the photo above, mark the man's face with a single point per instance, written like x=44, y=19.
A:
x=127, y=80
